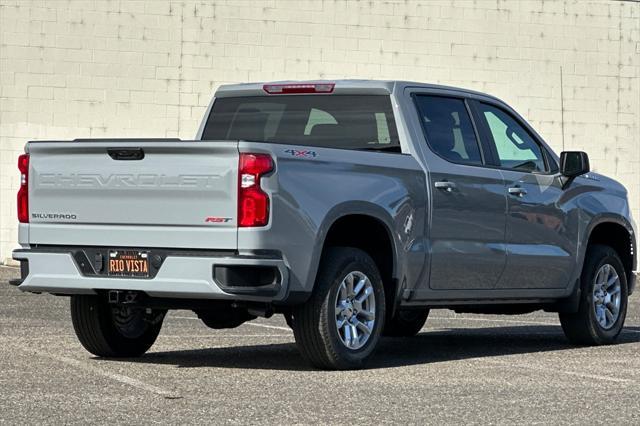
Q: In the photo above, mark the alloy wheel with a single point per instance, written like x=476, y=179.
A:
x=355, y=310
x=607, y=296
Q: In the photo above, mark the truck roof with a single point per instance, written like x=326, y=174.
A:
x=344, y=87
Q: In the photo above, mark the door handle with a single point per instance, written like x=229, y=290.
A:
x=445, y=185
x=126, y=154
x=518, y=191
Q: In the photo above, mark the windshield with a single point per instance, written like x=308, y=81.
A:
x=331, y=121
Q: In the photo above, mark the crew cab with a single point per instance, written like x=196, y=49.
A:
x=351, y=207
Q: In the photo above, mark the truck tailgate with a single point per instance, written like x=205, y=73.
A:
x=180, y=194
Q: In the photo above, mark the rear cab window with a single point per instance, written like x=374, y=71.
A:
x=358, y=122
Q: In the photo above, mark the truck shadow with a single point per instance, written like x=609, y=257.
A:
x=426, y=348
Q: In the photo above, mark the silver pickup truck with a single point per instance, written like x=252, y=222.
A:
x=350, y=207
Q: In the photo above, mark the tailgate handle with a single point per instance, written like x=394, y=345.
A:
x=126, y=154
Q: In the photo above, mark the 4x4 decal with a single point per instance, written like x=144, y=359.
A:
x=301, y=153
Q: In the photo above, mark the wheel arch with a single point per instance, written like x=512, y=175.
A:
x=367, y=227
x=602, y=229
x=617, y=233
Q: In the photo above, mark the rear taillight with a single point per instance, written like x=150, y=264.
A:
x=23, y=192
x=253, y=202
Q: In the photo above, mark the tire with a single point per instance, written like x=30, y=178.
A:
x=406, y=323
x=585, y=327
x=114, y=331
x=315, y=323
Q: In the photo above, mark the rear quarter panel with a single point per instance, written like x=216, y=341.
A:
x=313, y=187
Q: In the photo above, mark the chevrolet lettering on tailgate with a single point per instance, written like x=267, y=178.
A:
x=90, y=180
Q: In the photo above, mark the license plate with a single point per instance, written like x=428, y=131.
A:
x=128, y=263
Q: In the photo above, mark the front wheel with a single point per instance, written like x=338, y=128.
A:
x=340, y=325
x=603, y=302
x=114, y=330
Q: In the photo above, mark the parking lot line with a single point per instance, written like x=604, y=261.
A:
x=494, y=320
x=221, y=336
x=546, y=370
x=138, y=384
x=255, y=324
x=506, y=321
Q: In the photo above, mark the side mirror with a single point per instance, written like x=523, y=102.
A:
x=574, y=163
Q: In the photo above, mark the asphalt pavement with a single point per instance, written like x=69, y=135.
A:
x=472, y=369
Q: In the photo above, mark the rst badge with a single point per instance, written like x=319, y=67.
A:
x=216, y=219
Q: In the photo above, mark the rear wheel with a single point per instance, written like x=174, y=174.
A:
x=340, y=325
x=114, y=330
x=406, y=323
x=603, y=302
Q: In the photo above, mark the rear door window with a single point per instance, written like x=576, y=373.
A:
x=332, y=121
x=448, y=129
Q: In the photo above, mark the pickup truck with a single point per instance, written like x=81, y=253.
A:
x=350, y=207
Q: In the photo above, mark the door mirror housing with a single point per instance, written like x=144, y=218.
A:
x=574, y=163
